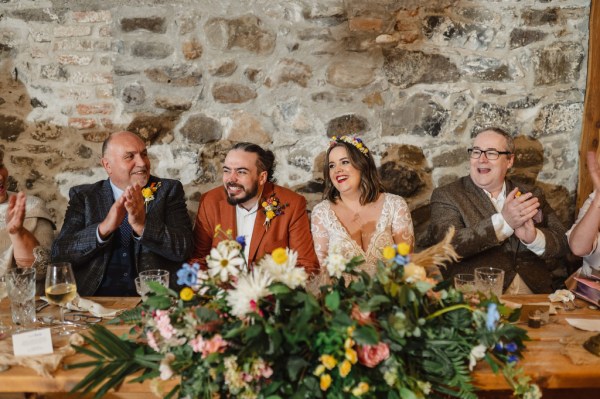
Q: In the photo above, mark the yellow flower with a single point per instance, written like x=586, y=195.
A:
x=328, y=361
x=389, y=252
x=349, y=343
x=414, y=273
x=351, y=355
x=325, y=382
x=319, y=370
x=350, y=330
x=147, y=192
x=360, y=389
x=279, y=256
x=403, y=249
x=264, y=204
x=270, y=215
x=186, y=294
x=345, y=368
x=274, y=203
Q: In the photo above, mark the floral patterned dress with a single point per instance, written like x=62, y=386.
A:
x=330, y=235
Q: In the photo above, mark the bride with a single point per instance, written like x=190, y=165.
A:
x=356, y=217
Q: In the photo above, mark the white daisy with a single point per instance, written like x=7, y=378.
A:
x=286, y=272
x=336, y=264
x=248, y=290
x=224, y=261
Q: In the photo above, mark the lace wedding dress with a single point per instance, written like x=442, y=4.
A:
x=393, y=226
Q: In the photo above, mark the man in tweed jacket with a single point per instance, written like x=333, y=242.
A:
x=111, y=231
x=498, y=223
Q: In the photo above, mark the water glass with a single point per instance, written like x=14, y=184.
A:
x=141, y=287
x=21, y=290
x=157, y=275
x=465, y=283
x=489, y=280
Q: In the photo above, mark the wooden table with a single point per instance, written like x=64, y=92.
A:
x=22, y=379
x=544, y=361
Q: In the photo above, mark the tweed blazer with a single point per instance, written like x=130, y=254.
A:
x=291, y=229
x=467, y=207
x=165, y=243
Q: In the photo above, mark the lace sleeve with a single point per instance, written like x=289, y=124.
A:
x=402, y=226
x=319, y=232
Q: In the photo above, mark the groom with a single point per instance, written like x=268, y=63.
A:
x=113, y=229
x=251, y=205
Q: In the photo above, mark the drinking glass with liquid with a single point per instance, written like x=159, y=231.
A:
x=21, y=289
x=60, y=287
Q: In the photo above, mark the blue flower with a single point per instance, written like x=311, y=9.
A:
x=511, y=347
x=492, y=316
x=512, y=359
x=188, y=274
x=498, y=347
x=242, y=241
x=401, y=260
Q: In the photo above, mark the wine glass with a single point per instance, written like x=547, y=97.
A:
x=3, y=294
x=61, y=287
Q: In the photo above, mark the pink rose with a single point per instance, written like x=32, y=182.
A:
x=197, y=343
x=372, y=355
x=215, y=344
x=361, y=317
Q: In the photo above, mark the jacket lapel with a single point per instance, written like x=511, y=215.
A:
x=260, y=228
x=227, y=217
x=480, y=199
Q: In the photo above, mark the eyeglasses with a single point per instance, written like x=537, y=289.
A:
x=475, y=153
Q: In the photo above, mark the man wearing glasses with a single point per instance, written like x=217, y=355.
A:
x=498, y=223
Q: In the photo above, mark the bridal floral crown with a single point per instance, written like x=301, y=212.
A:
x=355, y=141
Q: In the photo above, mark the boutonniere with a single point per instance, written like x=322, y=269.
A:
x=272, y=208
x=148, y=193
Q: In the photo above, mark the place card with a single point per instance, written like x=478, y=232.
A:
x=32, y=343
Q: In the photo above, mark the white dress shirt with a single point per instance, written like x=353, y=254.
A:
x=503, y=231
x=245, y=220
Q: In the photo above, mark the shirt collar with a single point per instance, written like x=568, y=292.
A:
x=117, y=192
x=248, y=212
x=501, y=195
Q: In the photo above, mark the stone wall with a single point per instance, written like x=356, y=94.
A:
x=414, y=78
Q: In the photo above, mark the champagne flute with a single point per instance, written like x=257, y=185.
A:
x=61, y=287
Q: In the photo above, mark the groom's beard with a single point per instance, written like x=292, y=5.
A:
x=248, y=194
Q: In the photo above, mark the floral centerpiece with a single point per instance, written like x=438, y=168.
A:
x=258, y=333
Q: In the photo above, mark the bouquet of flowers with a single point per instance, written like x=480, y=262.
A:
x=238, y=332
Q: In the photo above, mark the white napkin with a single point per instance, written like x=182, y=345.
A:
x=80, y=304
x=564, y=296
x=585, y=324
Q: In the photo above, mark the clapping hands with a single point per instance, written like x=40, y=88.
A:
x=519, y=211
x=130, y=203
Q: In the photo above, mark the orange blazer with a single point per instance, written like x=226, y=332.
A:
x=290, y=229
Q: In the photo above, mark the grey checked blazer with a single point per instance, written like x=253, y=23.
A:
x=166, y=242
x=466, y=207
